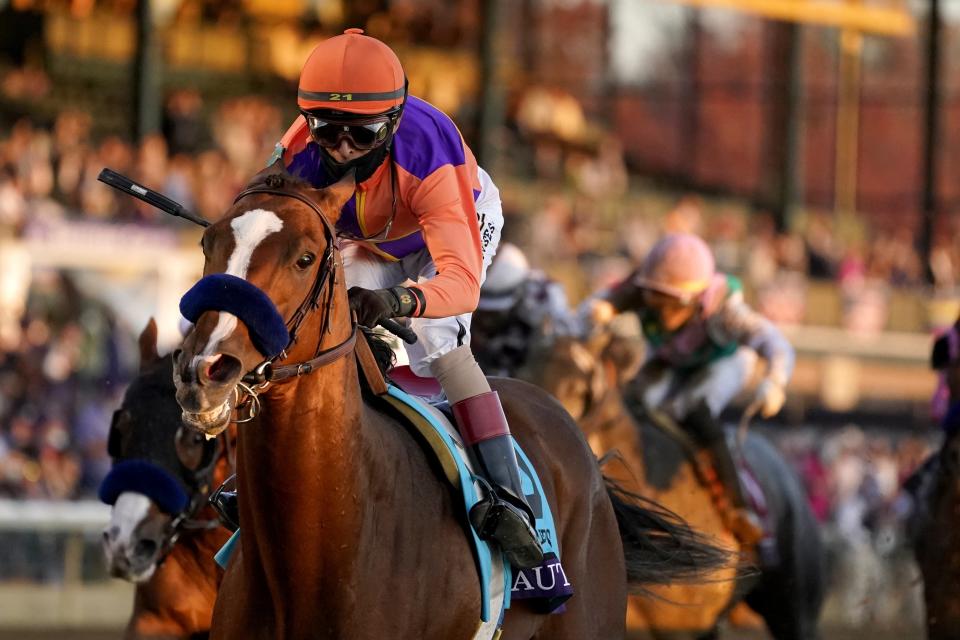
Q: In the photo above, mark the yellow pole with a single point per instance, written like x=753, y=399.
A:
x=848, y=120
x=825, y=13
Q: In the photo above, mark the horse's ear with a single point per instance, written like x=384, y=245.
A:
x=583, y=360
x=148, y=345
x=626, y=356
x=333, y=198
x=598, y=342
x=273, y=169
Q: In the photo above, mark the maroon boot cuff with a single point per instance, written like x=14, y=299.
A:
x=480, y=418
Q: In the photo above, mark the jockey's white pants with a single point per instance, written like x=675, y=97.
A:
x=717, y=384
x=435, y=336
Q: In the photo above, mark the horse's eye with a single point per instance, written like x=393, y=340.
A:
x=306, y=260
x=189, y=448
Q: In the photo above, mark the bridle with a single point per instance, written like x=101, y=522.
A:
x=186, y=520
x=198, y=481
x=266, y=373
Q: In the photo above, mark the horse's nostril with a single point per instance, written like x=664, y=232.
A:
x=223, y=369
x=110, y=533
x=145, y=548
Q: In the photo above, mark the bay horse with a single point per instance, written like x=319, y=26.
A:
x=347, y=531
x=937, y=540
x=587, y=377
x=168, y=555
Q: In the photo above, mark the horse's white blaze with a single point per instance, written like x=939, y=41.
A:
x=128, y=512
x=226, y=323
x=249, y=230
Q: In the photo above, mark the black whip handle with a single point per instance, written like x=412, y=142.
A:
x=151, y=197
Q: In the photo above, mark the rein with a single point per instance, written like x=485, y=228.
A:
x=186, y=520
x=266, y=373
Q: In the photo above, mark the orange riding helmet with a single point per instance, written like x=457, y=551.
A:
x=352, y=74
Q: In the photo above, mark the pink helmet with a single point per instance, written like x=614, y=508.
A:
x=679, y=265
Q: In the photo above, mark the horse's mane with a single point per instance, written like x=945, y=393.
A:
x=382, y=351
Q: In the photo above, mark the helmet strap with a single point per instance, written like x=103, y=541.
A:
x=365, y=166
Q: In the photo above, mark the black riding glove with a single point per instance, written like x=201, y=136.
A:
x=374, y=306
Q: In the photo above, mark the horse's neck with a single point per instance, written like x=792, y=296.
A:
x=303, y=470
x=612, y=428
x=938, y=553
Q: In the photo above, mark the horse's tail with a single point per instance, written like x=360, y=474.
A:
x=660, y=547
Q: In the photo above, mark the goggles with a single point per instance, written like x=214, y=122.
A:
x=362, y=136
x=664, y=301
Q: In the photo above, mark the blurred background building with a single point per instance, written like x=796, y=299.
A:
x=816, y=155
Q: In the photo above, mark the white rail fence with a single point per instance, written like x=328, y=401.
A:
x=59, y=542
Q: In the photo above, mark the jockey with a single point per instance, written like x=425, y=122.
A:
x=422, y=211
x=516, y=302
x=695, y=322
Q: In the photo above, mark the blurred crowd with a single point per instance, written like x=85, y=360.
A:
x=854, y=484
x=60, y=380
x=65, y=358
x=853, y=477
x=50, y=173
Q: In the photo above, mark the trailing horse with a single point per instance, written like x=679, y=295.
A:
x=586, y=378
x=347, y=531
x=937, y=536
x=937, y=545
x=161, y=535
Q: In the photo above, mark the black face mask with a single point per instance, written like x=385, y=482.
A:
x=365, y=166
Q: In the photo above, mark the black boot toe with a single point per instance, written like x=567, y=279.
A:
x=509, y=527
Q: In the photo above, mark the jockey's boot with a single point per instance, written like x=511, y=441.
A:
x=743, y=522
x=503, y=515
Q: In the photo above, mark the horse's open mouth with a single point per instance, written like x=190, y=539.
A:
x=122, y=568
x=211, y=423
